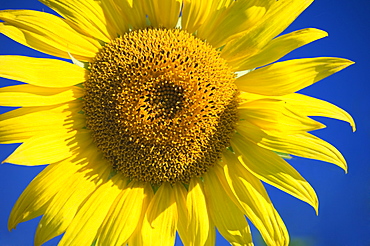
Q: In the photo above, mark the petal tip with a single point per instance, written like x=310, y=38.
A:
x=11, y=225
x=353, y=125
x=319, y=32
x=345, y=63
x=344, y=166
x=315, y=206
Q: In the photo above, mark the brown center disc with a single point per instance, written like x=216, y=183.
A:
x=161, y=105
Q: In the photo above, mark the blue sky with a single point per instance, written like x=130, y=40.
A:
x=344, y=212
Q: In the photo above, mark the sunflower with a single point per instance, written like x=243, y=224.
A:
x=162, y=116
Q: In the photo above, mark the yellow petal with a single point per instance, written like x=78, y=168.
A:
x=279, y=47
x=286, y=77
x=70, y=197
x=32, y=70
x=183, y=218
x=85, y=16
x=302, y=104
x=278, y=17
x=194, y=14
x=39, y=193
x=123, y=216
x=85, y=225
x=32, y=40
x=198, y=219
x=310, y=106
x=47, y=33
x=136, y=237
x=46, y=148
x=233, y=20
x=303, y=144
x=131, y=12
x=247, y=97
x=216, y=15
x=163, y=13
x=228, y=219
x=250, y=196
x=272, y=169
x=274, y=115
x=30, y=95
x=20, y=124
x=115, y=17
x=160, y=222
x=211, y=240
x=182, y=211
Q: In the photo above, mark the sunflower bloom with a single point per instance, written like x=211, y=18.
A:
x=168, y=118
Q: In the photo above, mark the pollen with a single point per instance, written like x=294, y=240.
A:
x=161, y=104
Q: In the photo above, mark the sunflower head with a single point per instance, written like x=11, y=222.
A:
x=169, y=118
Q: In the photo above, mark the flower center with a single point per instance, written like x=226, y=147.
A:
x=161, y=105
